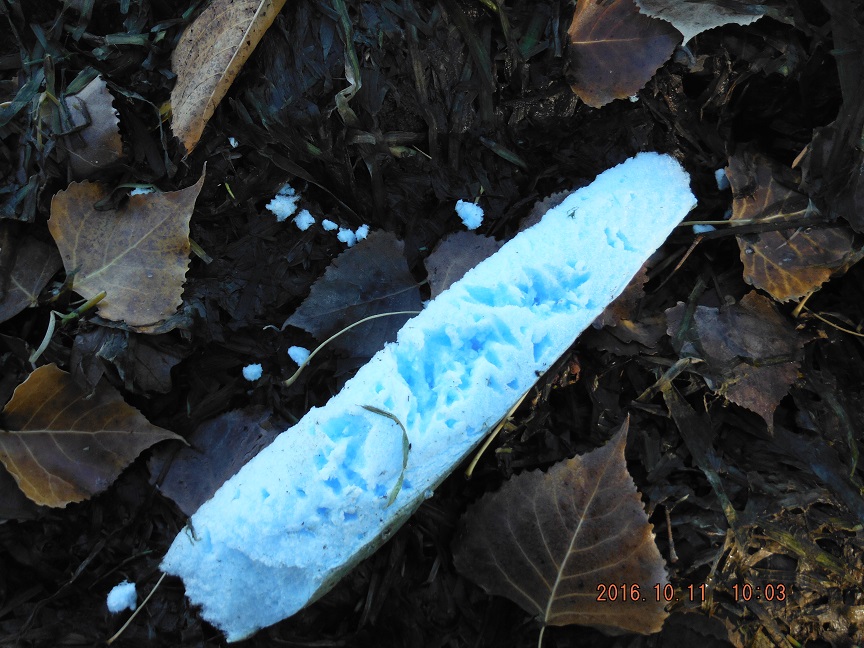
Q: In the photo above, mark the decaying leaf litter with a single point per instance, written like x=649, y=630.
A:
x=744, y=411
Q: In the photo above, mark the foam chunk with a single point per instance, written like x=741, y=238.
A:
x=122, y=597
x=306, y=509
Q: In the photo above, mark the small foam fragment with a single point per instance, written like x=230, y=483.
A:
x=304, y=220
x=284, y=203
x=721, y=179
x=703, y=229
x=362, y=232
x=471, y=214
x=346, y=236
x=142, y=191
x=122, y=597
x=329, y=225
x=298, y=354
x=252, y=372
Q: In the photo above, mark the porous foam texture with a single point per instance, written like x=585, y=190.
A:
x=310, y=506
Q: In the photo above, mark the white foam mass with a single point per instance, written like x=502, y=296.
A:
x=122, y=597
x=283, y=530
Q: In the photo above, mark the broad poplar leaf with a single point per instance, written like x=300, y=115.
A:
x=217, y=449
x=369, y=278
x=63, y=445
x=553, y=542
x=209, y=56
x=786, y=263
x=615, y=50
x=97, y=144
x=455, y=255
x=138, y=254
x=692, y=18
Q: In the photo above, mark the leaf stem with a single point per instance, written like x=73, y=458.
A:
x=290, y=381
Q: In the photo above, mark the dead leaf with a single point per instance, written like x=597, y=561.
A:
x=615, y=50
x=217, y=449
x=752, y=352
x=553, y=542
x=138, y=254
x=692, y=18
x=32, y=265
x=97, y=143
x=210, y=55
x=787, y=264
x=542, y=206
x=815, y=164
x=62, y=446
x=370, y=278
x=624, y=306
x=143, y=362
x=455, y=255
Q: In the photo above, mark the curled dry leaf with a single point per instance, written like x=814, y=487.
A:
x=615, y=50
x=791, y=263
x=751, y=351
x=137, y=254
x=63, y=445
x=97, y=143
x=550, y=542
x=370, y=278
x=209, y=57
x=692, y=18
x=26, y=272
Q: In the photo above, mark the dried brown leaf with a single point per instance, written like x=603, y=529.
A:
x=143, y=362
x=137, y=254
x=210, y=55
x=751, y=351
x=624, y=306
x=370, y=278
x=787, y=264
x=455, y=255
x=62, y=446
x=552, y=541
x=97, y=143
x=217, y=450
x=615, y=50
x=692, y=18
x=33, y=263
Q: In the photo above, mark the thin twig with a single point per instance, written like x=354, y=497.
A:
x=137, y=610
x=830, y=323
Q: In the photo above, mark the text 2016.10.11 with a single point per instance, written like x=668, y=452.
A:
x=607, y=592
